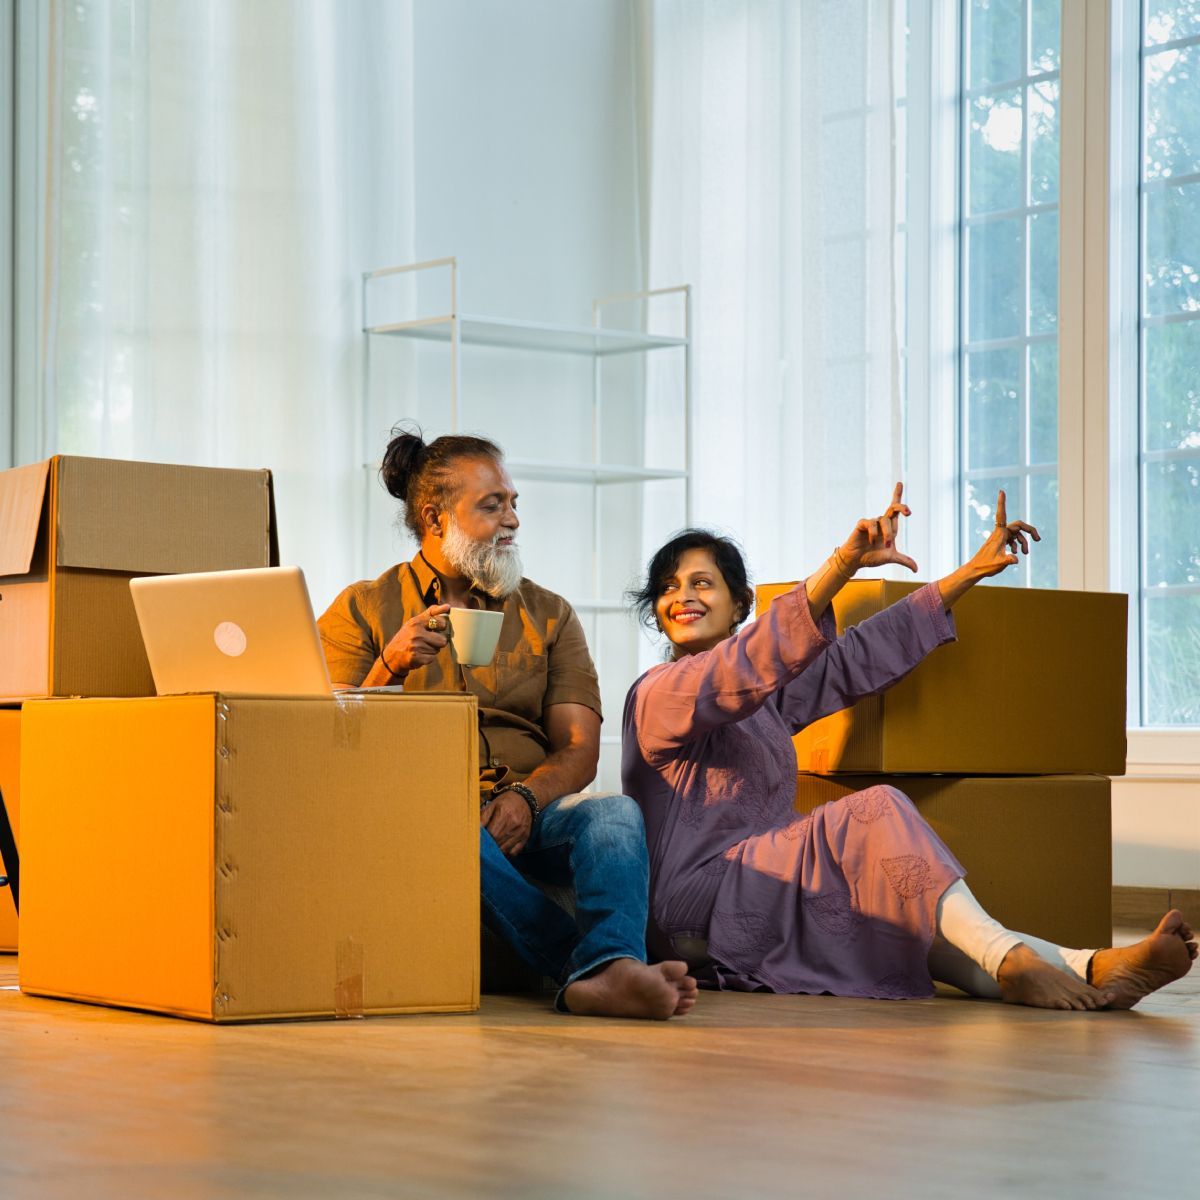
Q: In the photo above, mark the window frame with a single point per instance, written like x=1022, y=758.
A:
x=1099, y=332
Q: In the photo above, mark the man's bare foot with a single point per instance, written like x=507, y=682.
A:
x=1024, y=978
x=628, y=988
x=1132, y=972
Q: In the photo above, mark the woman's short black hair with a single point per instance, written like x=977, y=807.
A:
x=418, y=474
x=727, y=555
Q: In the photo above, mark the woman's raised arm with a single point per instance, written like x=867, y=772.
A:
x=996, y=554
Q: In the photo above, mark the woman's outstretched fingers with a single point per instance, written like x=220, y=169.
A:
x=1001, y=509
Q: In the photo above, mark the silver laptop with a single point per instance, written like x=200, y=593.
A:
x=231, y=631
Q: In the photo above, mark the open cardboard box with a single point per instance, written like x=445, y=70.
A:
x=1035, y=685
x=74, y=531
x=1037, y=851
x=234, y=858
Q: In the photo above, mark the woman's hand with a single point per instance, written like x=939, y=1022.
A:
x=415, y=642
x=996, y=554
x=873, y=542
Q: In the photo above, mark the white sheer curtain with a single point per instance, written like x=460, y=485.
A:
x=216, y=176
x=771, y=191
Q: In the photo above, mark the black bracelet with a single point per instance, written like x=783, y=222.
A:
x=388, y=666
x=526, y=794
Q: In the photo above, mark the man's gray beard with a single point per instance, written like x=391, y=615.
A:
x=491, y=568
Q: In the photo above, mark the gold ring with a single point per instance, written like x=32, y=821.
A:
x=433, y=625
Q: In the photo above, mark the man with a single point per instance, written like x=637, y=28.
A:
x=539, y=707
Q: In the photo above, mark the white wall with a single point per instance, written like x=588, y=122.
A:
x=1156, y=812
x=526, y=170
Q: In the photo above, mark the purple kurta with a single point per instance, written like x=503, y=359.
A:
x=843, y=900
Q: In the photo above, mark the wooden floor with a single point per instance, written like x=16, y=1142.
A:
x=751, y=1095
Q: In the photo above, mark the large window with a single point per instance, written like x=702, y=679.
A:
x=1009, y=287
x=1170, y=363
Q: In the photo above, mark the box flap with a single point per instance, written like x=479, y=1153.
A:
x=22, y=494
x=273, y=545
x=155, y=518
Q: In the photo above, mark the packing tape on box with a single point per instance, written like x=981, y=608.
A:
x=347, y=721
x=348, y=988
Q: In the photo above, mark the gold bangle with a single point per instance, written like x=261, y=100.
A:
x=840, y=565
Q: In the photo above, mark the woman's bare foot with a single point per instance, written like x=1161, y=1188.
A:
x=628, y=988
x=1024, y=978
x=1132, y=972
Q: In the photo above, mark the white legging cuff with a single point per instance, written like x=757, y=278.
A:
x=962, y=923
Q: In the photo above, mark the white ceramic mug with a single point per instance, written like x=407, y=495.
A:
x=474, y=633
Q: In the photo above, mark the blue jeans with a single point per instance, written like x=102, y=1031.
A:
x=593, y=843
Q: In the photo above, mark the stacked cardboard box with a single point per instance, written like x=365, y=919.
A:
x=1004, y=740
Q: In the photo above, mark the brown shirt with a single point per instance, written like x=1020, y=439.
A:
x=541, y=659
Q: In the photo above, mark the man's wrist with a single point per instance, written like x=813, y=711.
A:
x=387, y=666
x=525, y=792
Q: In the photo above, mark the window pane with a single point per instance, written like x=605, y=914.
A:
x=1167, y=20
x=996, y=42
x=1172, y=217
x=1043, y=402
x=1172, y=522
x=1172, y=650
x=1010, y=156
x=1045, y=35
x=1172, y=359
x=1172, y=113
x=993, y=408
x=1043, y=516
x=995, y=152
x=995, y=305
x=1043, y=143
x=1043, y=272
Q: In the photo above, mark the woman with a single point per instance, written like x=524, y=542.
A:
x=860, y=897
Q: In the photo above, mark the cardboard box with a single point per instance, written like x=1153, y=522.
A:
x=10, y=780
x=74, y=531
x=1037, y=851
x=239, y=858
x=1035, y=685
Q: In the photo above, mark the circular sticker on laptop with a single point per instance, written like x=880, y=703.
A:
x=230, y=639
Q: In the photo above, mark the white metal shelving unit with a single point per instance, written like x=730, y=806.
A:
x=459, y=331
